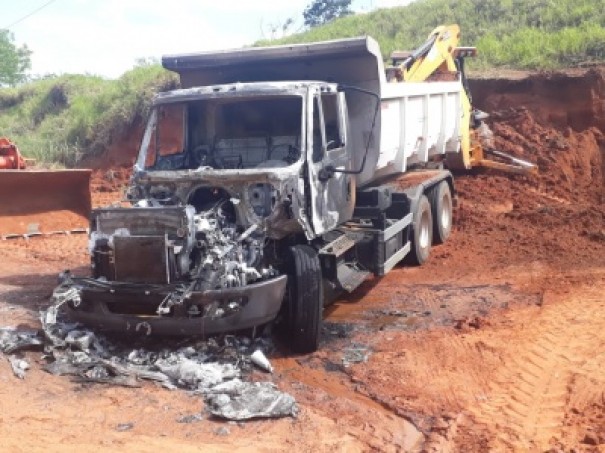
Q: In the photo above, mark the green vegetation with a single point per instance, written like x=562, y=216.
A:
x=60, y=119
x=523, y=34
x=14, y=61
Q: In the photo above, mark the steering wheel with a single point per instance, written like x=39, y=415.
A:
x=200, y=156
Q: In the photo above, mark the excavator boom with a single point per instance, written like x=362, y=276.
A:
x=436, y=53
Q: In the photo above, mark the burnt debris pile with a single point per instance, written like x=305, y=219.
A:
x=219, y=369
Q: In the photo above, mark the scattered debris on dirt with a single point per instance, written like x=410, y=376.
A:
x=355, y=353
x=124, y=427
x=19, y=366
x=261, y=361
x=13, y=339
x=211, y=368
x=236, y=400
x=190, y=418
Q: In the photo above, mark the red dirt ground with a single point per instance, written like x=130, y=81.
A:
x=496, y=344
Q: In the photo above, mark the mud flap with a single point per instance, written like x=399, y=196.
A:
x=35, y=201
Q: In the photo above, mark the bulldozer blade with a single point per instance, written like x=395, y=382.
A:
x=44, y=201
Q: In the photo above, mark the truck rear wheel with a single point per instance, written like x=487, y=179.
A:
x=441, y=209
x=304, y=304
x=422, y=231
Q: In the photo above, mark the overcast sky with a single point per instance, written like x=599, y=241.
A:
x=105, y=37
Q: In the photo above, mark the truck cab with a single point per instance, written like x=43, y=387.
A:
x=231, y=137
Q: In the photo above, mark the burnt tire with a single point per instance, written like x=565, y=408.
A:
x=442, y=212
x=304, y=300
x=422, y=232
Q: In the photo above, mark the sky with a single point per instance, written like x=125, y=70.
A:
x=106, y=37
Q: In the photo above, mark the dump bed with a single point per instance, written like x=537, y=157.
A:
x=415, y=120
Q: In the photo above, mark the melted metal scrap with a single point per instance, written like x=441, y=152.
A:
x=196, y=376
x=212, y=368
x=104, y=375
x=83, y=340
x=19, y=366
x=13, y=339
x=238, y=400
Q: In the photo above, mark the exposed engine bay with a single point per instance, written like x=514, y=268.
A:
x=186, y=249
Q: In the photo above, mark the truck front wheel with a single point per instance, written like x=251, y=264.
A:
x=304, y=303
x=422, y=231
x=441, y=207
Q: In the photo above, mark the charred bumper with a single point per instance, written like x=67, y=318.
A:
x=133, y=308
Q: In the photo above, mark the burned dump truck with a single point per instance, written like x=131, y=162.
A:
x=273, y=181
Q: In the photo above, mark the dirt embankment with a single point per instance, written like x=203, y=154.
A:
x=563, y=99
x=557, y=122
x=121, y=153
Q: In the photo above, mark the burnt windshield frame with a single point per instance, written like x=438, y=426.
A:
x=244, y=131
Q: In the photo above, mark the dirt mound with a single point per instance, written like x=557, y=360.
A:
x=110, y=180
x=558, y=215
x=571, y=164
x=556, y=120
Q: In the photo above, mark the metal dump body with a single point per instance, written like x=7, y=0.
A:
x=415, y=121
x=418, y=121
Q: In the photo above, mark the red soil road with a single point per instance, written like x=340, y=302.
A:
x=496, y=343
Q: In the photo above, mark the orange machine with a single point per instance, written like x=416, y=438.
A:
x=10, y=157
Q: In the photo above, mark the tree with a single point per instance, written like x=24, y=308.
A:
x=323, y=11
x=14, y=61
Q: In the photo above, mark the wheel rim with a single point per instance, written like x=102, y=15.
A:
x=424, y=239
x=446, y=213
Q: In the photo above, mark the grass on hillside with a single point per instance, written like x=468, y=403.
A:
x=520, y=34
x=60, y=119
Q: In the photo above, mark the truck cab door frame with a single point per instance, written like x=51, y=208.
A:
x=332, y=198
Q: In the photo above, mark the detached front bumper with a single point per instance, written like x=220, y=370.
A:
x=132, y=308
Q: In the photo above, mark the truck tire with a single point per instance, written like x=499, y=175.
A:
x=304, y=299
x=442, y=211
x=422, y=232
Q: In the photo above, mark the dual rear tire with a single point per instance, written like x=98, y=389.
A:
x=432, y=221
x=440, y=198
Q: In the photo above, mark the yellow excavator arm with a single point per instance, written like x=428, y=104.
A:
x=435, y=54
x=440, y=58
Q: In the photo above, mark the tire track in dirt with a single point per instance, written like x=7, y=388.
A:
x=528, y=399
